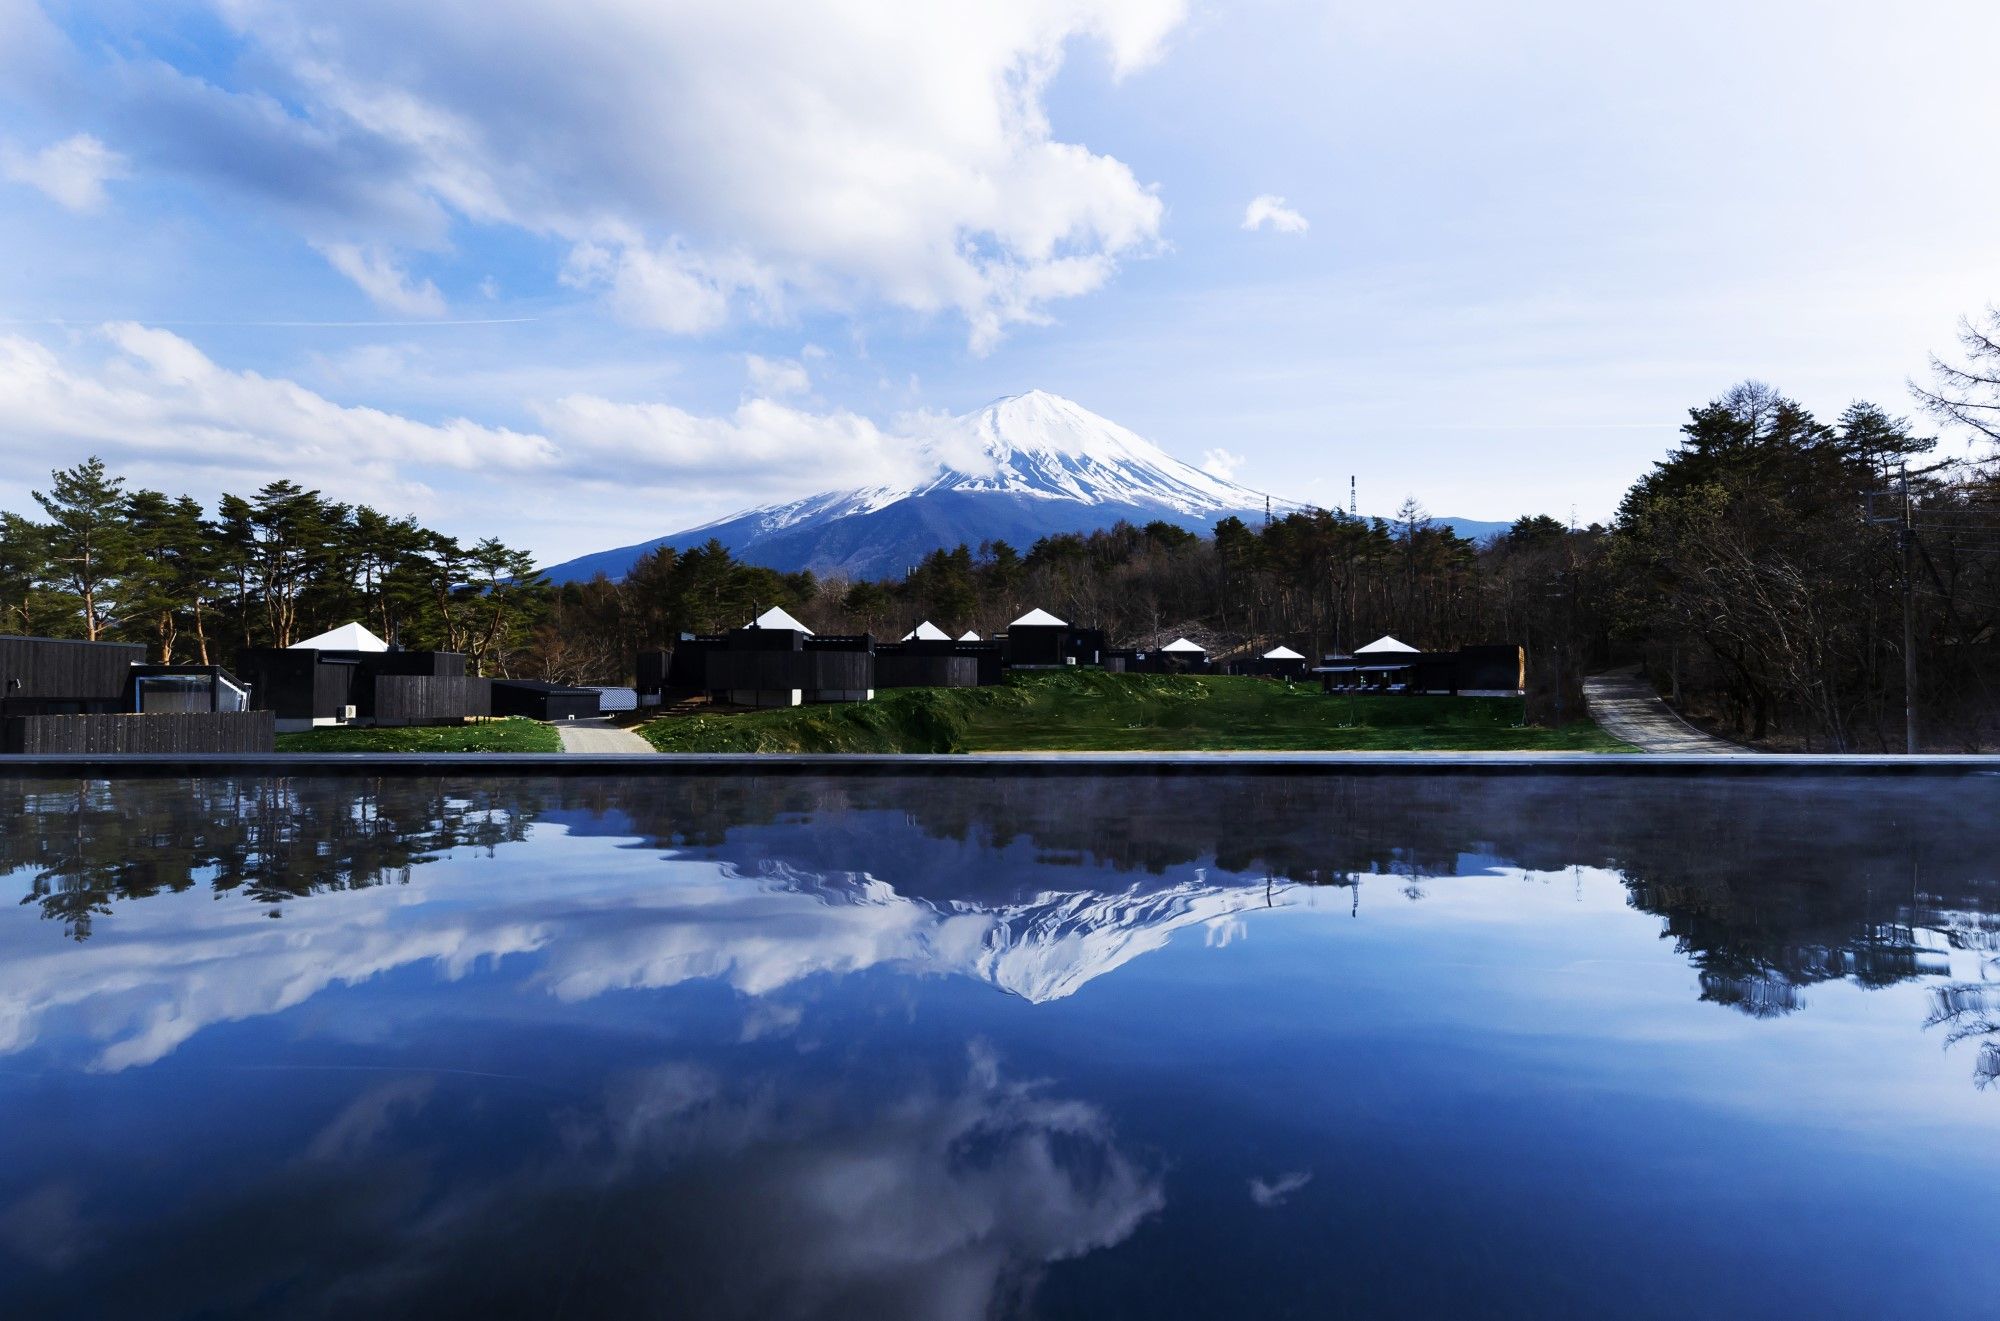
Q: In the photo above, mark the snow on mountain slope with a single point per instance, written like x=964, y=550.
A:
x=1019, y=469
x=1035, y=444
x=1042, y=445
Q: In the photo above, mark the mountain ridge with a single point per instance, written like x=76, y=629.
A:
x=1023, y=467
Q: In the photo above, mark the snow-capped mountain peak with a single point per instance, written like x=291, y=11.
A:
x=1023, y=467
x=1038, y=445
x=1041, y=444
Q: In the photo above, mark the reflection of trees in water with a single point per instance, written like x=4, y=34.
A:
x=1767, y=886
x=92, y=843
x=1968, y=1011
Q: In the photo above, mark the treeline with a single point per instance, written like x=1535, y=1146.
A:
x=108, y=563
x=1318, y=580
x=1760, y=572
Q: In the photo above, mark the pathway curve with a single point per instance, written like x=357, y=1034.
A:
x=599, y=736
x=1625, y=706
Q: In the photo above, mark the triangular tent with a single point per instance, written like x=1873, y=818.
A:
x=1282, y=653
x=1385, y=643
x=348, y=637
x=970, y=636
x=777, y=618
x=1038, y=619
x=926, y=632
x=1183, y=645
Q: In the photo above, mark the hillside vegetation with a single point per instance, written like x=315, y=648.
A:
x=1089, y=710
x=512, y=734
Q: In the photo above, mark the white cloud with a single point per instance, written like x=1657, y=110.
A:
x=386, y=284
x=763, y=450
x=73, y=171
x=702, y=159
x=157, y=404
x=1268, y=211
x=1221, y=463
x=154, y=405
x=777, y=376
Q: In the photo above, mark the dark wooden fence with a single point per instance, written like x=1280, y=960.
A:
x=176, y=732
x=414, y=699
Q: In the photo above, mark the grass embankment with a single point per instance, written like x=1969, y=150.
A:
x=1091, y=711
x=512, y=734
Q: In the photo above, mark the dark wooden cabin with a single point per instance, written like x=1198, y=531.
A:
x=775, y=661
x=307, y=686
x=56, y=676
x=1039, y=641
x=542, y=701
x=1484, y=671
x=62, y=696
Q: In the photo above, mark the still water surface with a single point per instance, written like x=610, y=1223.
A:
x=1070, y=1047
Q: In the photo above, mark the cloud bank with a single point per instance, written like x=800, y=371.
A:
x=696, y=160
x=157, y=408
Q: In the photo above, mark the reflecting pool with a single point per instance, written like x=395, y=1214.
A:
x=1066, y=1047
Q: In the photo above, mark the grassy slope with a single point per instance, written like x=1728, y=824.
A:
x=510, y=735
x=1088, y=710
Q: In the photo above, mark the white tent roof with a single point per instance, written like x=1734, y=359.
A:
x=1038, y=619
x=926, y=632
x=1282, y=653
x=970, y=636
x=348, y=637
x=1382, y=644
x=777, y=618
x=1182, y=644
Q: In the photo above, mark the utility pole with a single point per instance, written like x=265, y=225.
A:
x=1909, y=546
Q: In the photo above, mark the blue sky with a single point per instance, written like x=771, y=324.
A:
x=583, y=274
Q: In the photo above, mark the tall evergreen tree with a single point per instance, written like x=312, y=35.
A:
x=89, y=539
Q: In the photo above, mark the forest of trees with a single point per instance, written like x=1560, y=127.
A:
x=1759, y=571
x=108, y=563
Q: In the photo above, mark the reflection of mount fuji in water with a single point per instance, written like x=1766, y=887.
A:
x=1033, y=886
x=1044, y=947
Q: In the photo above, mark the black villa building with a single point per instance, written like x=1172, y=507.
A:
x=350, y=676
x=63, y=696
x=1388, y=665
x=772, y=661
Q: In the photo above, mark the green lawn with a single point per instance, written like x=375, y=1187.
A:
x=1088, y=710
x=512, y=734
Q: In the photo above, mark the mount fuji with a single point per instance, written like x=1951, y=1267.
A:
x=1021, y=468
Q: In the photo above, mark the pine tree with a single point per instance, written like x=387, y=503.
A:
x=89, y=539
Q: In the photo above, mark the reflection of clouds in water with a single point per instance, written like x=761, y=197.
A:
x=169, y=968
x=1275, y=1191
x=365, y=1119
x=46, y=1227
x=762, y=1195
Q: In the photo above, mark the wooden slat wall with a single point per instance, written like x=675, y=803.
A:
x=178, y=732
x=417, y=699
x=48, y=667
x=925, y=671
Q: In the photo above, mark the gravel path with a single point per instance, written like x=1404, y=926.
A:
x=1625, y=706
x=599, y=736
